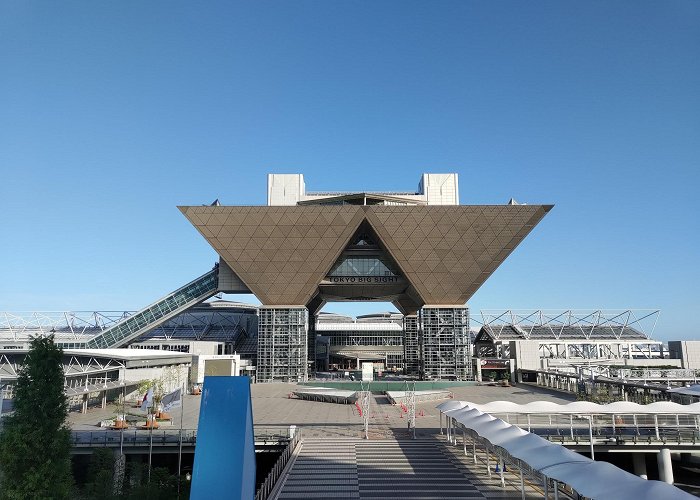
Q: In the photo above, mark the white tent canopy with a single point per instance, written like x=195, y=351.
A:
x=585, y=407
x=692, y=390
x=598, y=480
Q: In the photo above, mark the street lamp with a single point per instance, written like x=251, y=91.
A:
x=590, y=433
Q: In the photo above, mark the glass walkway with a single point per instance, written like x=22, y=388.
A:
x=183, y=298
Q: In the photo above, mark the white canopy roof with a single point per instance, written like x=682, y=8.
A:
x=693, y=390
x=585, y=407
x=597, y=480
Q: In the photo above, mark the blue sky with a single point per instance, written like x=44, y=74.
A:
x=114, y=113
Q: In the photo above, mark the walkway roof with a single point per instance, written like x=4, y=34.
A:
x=599, y=480
x=585, y=407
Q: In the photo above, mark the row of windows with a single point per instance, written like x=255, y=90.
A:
x=363, y=266
x=366, y=340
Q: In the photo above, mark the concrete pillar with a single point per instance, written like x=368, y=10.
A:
x=663, y=459
x=640, y=465
x=104, y=400
x=85, y=402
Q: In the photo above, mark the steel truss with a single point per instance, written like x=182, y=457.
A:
x=412, y=354
x=211, y=324
x=589, y=323
x=445, y=343
x=78, y=370
x=64, y=325
x=282, y=344
x=573, y=334
x=77, y=327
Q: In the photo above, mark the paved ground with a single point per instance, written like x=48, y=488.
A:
x=273, y=407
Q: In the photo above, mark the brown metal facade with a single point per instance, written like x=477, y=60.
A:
x=444, y=252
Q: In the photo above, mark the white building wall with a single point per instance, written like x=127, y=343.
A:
x=526, y=354
x=440, y=189
x=285, y=189
x=179, y=376
x=688, y=351
x=199, y=363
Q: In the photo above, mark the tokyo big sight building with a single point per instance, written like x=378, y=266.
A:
x=422, y=251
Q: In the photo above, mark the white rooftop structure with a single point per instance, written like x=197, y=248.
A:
x=433, y=189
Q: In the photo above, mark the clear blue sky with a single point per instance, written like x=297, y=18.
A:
x=113, y=113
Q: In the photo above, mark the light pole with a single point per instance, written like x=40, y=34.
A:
x=123, y=416
x=2, y=399
x=590, y=433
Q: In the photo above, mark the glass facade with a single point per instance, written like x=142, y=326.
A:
x=364, y=265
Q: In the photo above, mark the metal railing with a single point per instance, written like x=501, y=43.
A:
x=271, y=480
x=171, y=437
x=91, y=439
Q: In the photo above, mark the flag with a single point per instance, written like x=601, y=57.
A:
x=147, y=400
x=172, y=400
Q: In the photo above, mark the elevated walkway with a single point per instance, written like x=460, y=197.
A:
x=154, y=315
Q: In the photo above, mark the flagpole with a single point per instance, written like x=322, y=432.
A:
x=123, y=416
x=150, y=446
x=150, y=441
x=2, y=399
x=179, y=451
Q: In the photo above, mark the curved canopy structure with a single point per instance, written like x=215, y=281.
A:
x=591, y=479
x=585, y=407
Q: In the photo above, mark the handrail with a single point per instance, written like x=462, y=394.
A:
x=272, y=477
x=164, y=437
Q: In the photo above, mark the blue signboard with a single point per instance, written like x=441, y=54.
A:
x=224, y=459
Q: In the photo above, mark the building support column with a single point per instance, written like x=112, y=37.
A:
x=640, y=465
x=85, y=403
x=663, y=459
x=311, y=346
x=282, y=344
x=445, y=342
x=411, y=346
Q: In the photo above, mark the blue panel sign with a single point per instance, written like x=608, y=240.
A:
x=224, y=459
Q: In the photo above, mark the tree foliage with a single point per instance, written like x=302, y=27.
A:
x=100, y=476
x=160, y=385
x=99, y=484
x=35, y=440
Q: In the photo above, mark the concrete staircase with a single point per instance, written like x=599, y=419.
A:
x=382, y=469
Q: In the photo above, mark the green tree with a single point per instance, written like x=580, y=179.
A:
x=100, y=476
x=35, y=440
